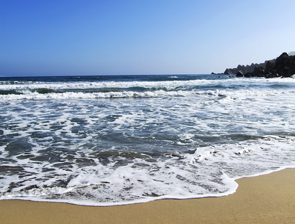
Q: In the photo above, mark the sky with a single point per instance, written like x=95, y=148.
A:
x=114, y=37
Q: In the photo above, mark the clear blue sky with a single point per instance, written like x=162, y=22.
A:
x=71, y=37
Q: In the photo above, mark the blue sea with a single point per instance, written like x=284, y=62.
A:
x=113, y=140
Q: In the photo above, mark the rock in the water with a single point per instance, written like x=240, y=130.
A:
x=258, y=72
x=283, y=66
x=269, y=66
x=228, y=72
x=240, y=74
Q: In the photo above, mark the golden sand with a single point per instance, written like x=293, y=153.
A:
x=263, y=199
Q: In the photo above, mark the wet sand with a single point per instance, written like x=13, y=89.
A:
x=263, y=199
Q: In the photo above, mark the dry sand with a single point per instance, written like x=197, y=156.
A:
x=264, y=199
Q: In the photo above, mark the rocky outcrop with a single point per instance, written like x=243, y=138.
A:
x=239, y=74
x=243, y=68
x=283, y=66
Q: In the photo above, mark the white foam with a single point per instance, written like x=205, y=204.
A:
x=185, y=144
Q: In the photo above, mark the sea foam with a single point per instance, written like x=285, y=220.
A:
x=119, y=142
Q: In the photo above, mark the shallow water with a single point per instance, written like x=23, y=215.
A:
x=124, y=139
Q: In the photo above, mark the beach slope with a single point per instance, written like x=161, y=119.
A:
x=263, y=199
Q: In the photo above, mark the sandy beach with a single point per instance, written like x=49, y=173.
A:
x=264, y=199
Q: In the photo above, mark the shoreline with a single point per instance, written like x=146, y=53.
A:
x=268, y=198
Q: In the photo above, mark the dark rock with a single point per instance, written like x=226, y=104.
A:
x=258, y=72
x=282, y=59
x=269, y=66
x=245, y=69
x=283, y=66
x=228, y=72
x=240, y=74
x=269, y=75
x=248, y=75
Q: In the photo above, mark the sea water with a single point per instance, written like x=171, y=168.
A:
x=111, y=140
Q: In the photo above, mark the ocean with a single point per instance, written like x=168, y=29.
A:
x=113, y=140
